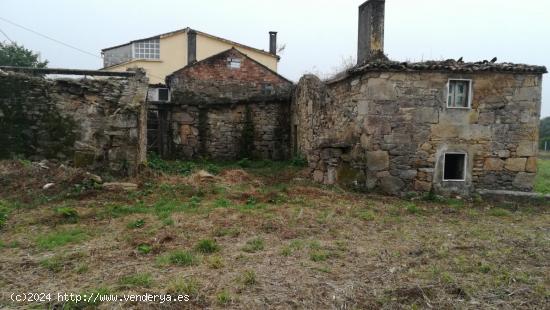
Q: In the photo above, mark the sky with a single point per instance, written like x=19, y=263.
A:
x=320, y=36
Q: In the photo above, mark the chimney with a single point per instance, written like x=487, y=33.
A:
x=191, y=46
x=370, y=43
x=273, y=42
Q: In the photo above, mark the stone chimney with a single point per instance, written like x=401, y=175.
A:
x=191, y=46
x=370, y=43
x=273, y=42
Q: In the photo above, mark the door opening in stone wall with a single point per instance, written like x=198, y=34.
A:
x=454, y=167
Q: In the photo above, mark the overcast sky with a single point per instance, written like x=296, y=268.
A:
x=319, y=35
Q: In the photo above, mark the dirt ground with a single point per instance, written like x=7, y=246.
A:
x=262, y=237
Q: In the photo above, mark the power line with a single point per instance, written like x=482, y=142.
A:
x=50, y=38
x=5, y=35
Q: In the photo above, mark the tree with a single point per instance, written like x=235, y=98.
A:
x=17, y=55
x=544, y=132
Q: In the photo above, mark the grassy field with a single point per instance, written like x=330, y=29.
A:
x=542, y=183
x=259, y=235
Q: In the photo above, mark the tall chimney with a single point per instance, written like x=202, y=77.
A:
x=273, y=42
x=370, y=43
x=191, y=46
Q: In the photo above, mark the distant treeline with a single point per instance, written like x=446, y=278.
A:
x=545, y=133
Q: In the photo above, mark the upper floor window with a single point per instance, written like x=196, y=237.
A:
x=234, y=63
x=459, y=94
x=147, y=49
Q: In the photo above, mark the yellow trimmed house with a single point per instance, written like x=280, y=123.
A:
x=165, y=53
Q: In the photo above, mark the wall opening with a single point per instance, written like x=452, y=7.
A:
x=454, y=168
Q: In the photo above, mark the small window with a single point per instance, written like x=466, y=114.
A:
x=147, y=49
x=454, y=167
x=163, y=94
x=267, y=89
x=459, y=94
x=234, y=63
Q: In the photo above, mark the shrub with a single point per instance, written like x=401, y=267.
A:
x=254, y=245
x=207, y=246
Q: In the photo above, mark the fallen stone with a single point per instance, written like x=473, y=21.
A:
x=94, y=177
x=120, y=186
x=48, y=185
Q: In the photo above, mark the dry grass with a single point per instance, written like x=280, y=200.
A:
x=277, y=245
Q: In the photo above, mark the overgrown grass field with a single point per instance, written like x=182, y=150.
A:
x=260, y=235
x=542, y=182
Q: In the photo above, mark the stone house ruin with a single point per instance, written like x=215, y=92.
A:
x=227, y=106
x=451, y=126
x=98, y=121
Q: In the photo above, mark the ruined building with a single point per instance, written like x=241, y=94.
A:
x=450, y=126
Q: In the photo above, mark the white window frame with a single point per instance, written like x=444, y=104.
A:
x=146, y=59
x=465, y=166
x=470, y=93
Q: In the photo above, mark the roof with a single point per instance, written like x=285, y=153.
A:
x=447, y=65
x=167, y=34
x=221, y=53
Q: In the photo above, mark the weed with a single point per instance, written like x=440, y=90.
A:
x=318, y=255
x=136, y=224
x=542, y=180
x=244, y=163
x=167, y=221
x=222, y=203
x=216, y=262
x=173, y=167
x=223, y=297
x=412, y=208
x=499, y=212
x=365, y=215
x=60, y=238
x=54, y=264
x=207, y=246
x=227, y=231
x=214, y=169
x=81, y=268
x=292, y=247
x=248, y=277
x=178, y=258
x=189, y=286
x=298, y=161
x=254, y=245
x=69, y=215
x=144, y=248
x=136, y=280
x=251, y=201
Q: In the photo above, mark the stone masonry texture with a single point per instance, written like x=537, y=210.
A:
x=229, y=113
x=96, y=123
x=386, y=127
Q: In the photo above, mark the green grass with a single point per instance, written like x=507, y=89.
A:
x=207, y=246
x=68, y=214
x=223, y=297
x=59, y=238
x=178, y=258
x=189, y=286
x=136, y=224
x=542, y=182
x=144, y=248
x=248, y=277
x=254, y=245
x=136, y=280
x=54, y=264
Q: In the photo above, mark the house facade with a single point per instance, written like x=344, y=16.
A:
x=448, y=126
x=163, y=54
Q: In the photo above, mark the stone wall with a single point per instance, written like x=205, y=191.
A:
x=228, y=132
x=389, y=130
x=97, y=123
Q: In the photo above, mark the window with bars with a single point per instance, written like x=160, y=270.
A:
x=459, y=94
x=148, y=49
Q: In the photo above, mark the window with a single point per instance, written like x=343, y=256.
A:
x=148, y=49
x=454, y=167
x=459, y=94
x=267, y=89
x=234, y=63
x=163, y=94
